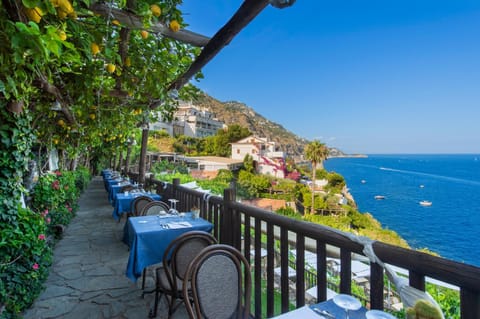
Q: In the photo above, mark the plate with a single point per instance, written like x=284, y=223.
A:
x=377, y=314
x=347, y=302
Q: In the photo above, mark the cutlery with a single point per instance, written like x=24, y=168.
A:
x=323, y=313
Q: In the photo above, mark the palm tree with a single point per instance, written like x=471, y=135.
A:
x=316, y=153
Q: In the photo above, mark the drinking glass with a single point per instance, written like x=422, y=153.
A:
x=173, y=206
x=347, y=302
x=378, y=314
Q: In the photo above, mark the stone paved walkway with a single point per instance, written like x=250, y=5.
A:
x=87, y=279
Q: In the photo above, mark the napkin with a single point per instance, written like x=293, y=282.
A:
x=179, y=225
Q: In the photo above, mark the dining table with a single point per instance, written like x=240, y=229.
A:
x=114, y=189
x=149, y=236
x=123, y=202
x=323, y=310
x=109, y=182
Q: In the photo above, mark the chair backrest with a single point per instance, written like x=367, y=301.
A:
x=155, y=208
x=181, y=252
x=138, y=204
x=126, y=188
x=220, y=284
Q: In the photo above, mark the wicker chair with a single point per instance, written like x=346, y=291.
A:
x=138, y=204
x=220, y=284
x=127, y=188
x=155, y=208
x=170, y=278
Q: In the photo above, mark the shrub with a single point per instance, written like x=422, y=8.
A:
x=56, y=194
x=83, y=177
x=25, y=258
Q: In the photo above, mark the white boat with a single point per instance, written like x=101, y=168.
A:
x=378, y=197
x=425, y=203
x=363, y=181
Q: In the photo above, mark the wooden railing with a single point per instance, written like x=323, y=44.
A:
x=251, y=229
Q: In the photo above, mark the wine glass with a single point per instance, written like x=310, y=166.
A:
x=173, y=206
x=347, y=302
x=378, y=314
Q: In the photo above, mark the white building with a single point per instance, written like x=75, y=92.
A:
x=161, y=125
x=189, y=120
x=267, y=159
x=192, y=121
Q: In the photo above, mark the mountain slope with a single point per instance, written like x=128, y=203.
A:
x=232, y=112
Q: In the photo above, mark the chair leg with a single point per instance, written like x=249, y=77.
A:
x=144, y=274
x=153, y=312
x=171, y=306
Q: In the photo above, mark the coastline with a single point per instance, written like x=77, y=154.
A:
x=449, y=181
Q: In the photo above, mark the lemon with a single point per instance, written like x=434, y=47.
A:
x=127, y=62
x=61, y=14
x=144, y=34
x=174, y=26
x=61, y=122
x=156, y=11
x=34, y=14
x=110, y=68
x=94, y=48
x=62, y=35
x=115, y=22
x=55, y=141
x=65, y=5
x=92, y=116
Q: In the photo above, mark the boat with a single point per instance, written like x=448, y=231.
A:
x=378, y=197
x=426, y=203
x=422, y=186
x=363, y=181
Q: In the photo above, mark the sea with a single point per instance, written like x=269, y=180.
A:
x=449, y=227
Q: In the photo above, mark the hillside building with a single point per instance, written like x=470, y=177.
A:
x=189, y=120
x=267, y=159
x=193, y=121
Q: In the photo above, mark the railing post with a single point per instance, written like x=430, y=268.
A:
x=226, y=217
x=416, y=280
x=470, y=304
x=345, y=271
x=376, y=286
x=175, y=184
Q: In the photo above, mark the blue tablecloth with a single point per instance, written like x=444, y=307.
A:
x=307, y=312
x=111, y=181
x=123, y=202
x=148, y=240
x=332, y=308
x=114, y=189
x=106, y=172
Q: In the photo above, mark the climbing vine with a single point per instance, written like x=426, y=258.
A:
x=74, y=79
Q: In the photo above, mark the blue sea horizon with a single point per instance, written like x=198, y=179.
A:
x=451, y=182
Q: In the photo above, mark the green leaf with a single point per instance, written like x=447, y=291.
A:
x=31, y=3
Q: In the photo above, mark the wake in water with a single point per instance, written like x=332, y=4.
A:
x=441, y=177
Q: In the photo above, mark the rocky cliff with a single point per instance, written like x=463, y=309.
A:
x=232, y=112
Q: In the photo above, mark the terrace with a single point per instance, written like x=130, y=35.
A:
x=267, y=241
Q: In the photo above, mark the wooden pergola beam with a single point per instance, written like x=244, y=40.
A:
x=132, y=21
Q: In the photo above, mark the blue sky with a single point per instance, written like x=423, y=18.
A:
x=364, y=76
